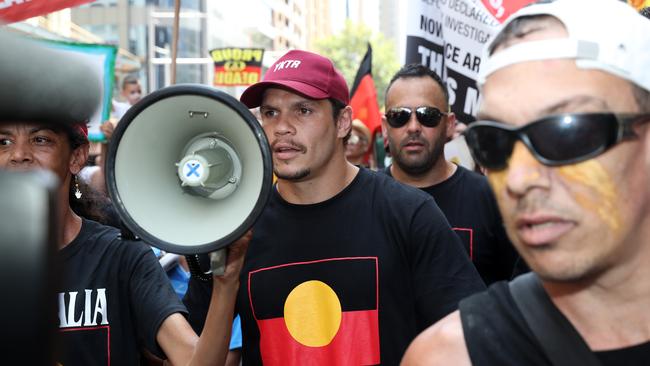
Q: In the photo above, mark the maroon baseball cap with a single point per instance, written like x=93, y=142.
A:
x=303, y=72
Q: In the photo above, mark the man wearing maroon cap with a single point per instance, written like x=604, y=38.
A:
x=345, y=265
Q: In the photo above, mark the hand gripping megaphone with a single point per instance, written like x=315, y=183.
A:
x=189, y=169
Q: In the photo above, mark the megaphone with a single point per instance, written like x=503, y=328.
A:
x=189, y=169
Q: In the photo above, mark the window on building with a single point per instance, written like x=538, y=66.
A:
x=191, y=73
x=197, y=5
x=108, y=32
x=138, y=40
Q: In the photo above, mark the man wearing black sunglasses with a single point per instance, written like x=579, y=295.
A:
x=566, y=141
x=417, y=128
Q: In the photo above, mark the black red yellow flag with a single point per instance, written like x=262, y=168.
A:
x=321, y=312
x=237, y=66
x=364, y=95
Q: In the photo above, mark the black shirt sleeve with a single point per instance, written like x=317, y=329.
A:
x=441, y=271
x=152, y=297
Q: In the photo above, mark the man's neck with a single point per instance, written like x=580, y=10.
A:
x=611, y=311
x=355, y=160
x=440, y=172
x=68, y=221
x=320, y=188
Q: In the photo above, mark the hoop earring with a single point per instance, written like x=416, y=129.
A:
x=77, y=192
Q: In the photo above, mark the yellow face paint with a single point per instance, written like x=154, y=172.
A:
x=520, y=156
x=598, y=194
x=593, y=176
x=497, y=181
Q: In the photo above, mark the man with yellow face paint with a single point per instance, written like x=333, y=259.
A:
x=563, y=132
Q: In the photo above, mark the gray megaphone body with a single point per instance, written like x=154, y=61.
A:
x=189, y=170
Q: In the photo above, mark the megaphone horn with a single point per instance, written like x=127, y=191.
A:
x=189, y=169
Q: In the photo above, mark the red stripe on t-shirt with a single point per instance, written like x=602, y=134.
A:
x=108, y=336
x=471, y=239
x=355, y=343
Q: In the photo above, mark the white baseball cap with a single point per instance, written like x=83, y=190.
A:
x=603, y=34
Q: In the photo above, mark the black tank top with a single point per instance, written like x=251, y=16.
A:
x=497, y=334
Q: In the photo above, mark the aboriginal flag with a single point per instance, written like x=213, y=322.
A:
x=321, y=313
x=235, y=66
x=364, y=95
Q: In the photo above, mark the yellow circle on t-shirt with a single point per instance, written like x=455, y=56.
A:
x=312, y=313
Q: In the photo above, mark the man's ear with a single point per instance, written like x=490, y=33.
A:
x=384, y=127
x=78, y=158
x=451, y=126
x=344, y=122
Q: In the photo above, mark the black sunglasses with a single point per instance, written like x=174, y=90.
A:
x=427, y=116
x=555, y=140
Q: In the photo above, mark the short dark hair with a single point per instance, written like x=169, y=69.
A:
x=337, y=107
x=517, y=29
x=129, y=79
x=77, y=139
x=416, y=71
x=92, y=204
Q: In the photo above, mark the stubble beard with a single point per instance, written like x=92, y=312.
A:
x=295, y=176
x=422, y=164
x=572, y=268
x=578, y=270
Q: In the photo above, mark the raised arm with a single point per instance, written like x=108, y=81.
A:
x=177, y=339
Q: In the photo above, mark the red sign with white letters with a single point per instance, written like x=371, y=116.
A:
x=16, y=10
x=502, y=9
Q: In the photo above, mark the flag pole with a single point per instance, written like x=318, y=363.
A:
x=177, y=10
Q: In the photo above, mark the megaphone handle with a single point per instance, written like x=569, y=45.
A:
x=194, y=263
x=218, y=262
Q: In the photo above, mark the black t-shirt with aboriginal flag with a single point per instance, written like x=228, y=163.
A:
x=113, y=299
x=351, y=280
